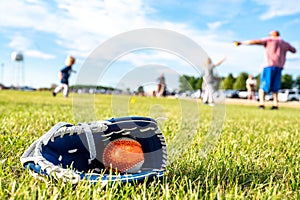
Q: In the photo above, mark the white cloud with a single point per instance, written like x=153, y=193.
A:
x=278, y=8
x=153, y=56
x=76, y=24
x=79, y=28
x=38, y=54
x=227, y=8
x=20, y=14
x=19, y=42
x=215, y=25
x=23, y=44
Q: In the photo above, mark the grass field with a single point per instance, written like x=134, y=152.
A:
x=256, y=155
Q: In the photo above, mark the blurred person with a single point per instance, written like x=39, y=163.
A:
x=251, y=85
x=161, y=86
x=275, y=55
x=210, y=81
x=64, y=76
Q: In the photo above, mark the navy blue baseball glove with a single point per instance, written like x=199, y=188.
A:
x=123, y=149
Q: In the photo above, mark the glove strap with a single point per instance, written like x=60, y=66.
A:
x=90, y=141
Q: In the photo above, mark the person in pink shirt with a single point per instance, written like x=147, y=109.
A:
x=270, y=80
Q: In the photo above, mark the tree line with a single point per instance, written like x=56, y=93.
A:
x=235, y=83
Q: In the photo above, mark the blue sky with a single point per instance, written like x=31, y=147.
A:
x=47, y=31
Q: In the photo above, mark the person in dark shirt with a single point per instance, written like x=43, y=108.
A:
x=64, y=75
x=161, y=86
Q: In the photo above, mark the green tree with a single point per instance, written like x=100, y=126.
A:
x=183, y=83
x=186, y=82
x=240, y=83
x=198, y=84
x=227, y=83
x=257, y=81
x=297, y=82
x=141, y=90
x=192, y=81
x=286, y=81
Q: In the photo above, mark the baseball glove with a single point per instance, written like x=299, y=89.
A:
x=123, y=149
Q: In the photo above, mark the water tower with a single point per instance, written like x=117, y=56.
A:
x=18, y=68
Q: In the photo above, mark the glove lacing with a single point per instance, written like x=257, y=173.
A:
x=61, y=131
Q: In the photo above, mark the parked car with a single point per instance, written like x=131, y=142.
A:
x=243, y=94
x=184, y=94
x=197, y=94
x=27, y=88
x=268, y=96
x=231, y=93
x=285, y=95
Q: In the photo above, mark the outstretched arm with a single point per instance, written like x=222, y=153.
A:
x=220, y=62
x=249, y=42
x=292, y=49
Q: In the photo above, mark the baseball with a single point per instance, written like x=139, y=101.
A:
x=123, y=155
